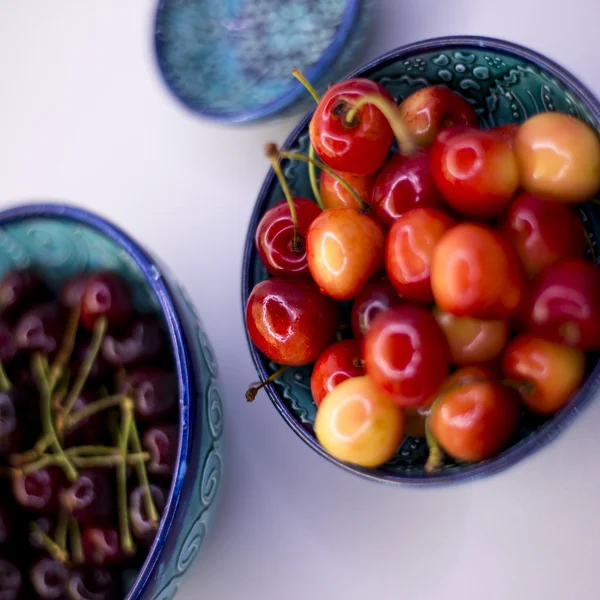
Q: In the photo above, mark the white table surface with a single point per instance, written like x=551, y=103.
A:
x=84, y=118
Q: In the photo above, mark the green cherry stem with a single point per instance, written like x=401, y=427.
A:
x=46, y=416
x=390, y=111
x=66, y=349
x=274, y=150
x=435, y=460
x=92, y=409
x=296, y=242
x=309, y=88
x=256, y=387
x=112, y=460
x=5, y=384
x=75, y=542
x=86, y=367
x=50, y=545
x=124, y=525
x=81, y=451
x=60, y=535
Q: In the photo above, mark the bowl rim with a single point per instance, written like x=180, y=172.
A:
x=332, y=51
x=155, y=279
x=546, y=432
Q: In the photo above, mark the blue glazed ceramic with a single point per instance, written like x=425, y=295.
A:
x=232, y=59
x=505, y=83
x=62, y=241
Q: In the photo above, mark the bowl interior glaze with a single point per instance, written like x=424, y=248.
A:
x=505, y=83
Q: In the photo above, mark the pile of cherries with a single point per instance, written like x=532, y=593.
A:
x=473, y=298
x=88, y=436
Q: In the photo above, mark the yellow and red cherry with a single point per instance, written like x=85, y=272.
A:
x=508, y=132
x=409, y=248
x=335, y=195
x=290, y=321
x=376, y=296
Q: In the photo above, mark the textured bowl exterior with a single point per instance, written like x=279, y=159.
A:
x=505, y=83
x=62, y=241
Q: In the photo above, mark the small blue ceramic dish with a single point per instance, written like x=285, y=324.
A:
x=62, y=241
x=505, y=83
x=231, y=60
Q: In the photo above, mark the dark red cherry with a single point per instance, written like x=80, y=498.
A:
x=8, y=345
x=92, y=584
x=161, y=441
x=141, y=342
x=11, y=432
x=155, y=392
x=46, y=525
x=20, y=288
x=90, y=497
x=375, y=297
x=274, y=238
x=101, y=545
x=11, y=581
x=142, y=526
x=39, y=491
x=91, y=430
x=49, y=579
x=106, y=295
x=40, y=329
x=72, y=290
x=6, y=526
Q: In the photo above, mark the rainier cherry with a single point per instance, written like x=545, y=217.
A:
x=476, y=273
x=551, y=372
x=542, y=231
x=290, y=321
x=375, y=297
x=335, y=195
x=409, y=248
x=357, y=423
x=337, y=363
x=431, y=109
x=476, y=171
x=406, y=355
x=559, y=157
x=508, y=132
x=405, y=182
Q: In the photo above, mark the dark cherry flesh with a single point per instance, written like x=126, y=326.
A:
x=106, y=295
x=49, y=579
x=142, y=526
x=160, y=441
x=154, y=392
x=90, y=497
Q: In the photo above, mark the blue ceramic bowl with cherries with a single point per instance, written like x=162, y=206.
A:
x=476, y=249
x=111, y=437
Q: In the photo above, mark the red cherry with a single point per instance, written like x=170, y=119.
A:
x=406, y=355
x=563, y=304
x=542, y=231
x=476, y=273
x=335, y=195
x=409, y=248
x=476, y=171
x=290, y=321
x=359, y=147
x=345, y=249
x=432, y=109
x=375, y=297
x=336, y=364
x=508, y=132
x=106, y=295
x=405, y=182
x=274, y=237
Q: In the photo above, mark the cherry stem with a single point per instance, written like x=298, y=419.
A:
x=120, y=376
x=75, y=542
x=112, y=460
x=60, y=535
x=256, y=387
x=50, y=545
x=66, y=349
x=61, y=391
x=5, y=384
x=296, y=244
x=309, y=88
x=91, y=409
x=92, y=451
x=588, y=240
x=363, y=207
x=390, y=111
x=46, y=416
x=124, y=526
x=142, y=474
x=435, y=460
x=86, y=367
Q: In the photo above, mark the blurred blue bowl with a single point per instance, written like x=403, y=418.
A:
x=61, y=241
x=231, y=60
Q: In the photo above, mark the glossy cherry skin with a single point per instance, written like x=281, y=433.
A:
x=106, y=295
x=409, y=248
x=345, y=249
x=476, y=273
x=274, y=238
x=92, y=584
x=337, y=363
x=71, y=291
x=542, y=231
x=40, y=490
x=406, y=355
x=428, y=111
x=357, y=423
x=405, y=182
x=375, y=297
x=11, y=581
x=142, y=526
x=361, y=147
x=89, y=431
x=49, y=579
x=472, y=340
x=18, y=289
x=476, y=171
x=563, y=304
x=559, y=157
x=90, y=497
x=508, y=132
x=335, y=195
x=101, y=545
x=474, y=420
x=142, y=341
x=551, y=372
x=290, y=321
x=40, y=329
x=161, y=442
x=155, y=392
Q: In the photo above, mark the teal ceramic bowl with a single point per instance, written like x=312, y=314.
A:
x=62, y=241
x=505, y=83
